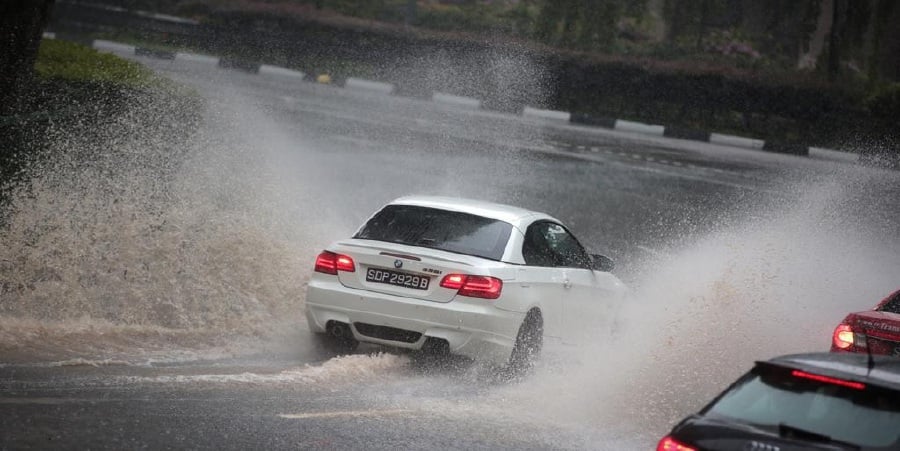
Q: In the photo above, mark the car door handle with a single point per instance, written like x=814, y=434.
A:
x=567, y=284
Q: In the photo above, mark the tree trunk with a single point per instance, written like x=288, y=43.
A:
x=22, y=23
x=701, y=24
x=411, y=11
x=816, y=46
x=834, y=42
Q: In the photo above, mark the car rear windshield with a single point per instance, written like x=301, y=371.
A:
x=450, y=231
x=893, y=305
x=773, y=397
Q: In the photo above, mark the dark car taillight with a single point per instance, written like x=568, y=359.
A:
x=670, y=444
x=330, y=263
x=484, y=287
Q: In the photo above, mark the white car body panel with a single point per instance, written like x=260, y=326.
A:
x=590, y=300
x=569, y=299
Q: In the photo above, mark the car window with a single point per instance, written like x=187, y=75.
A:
x=451, y=231
x=893, y=305
x=550, y=244
x=769, y=398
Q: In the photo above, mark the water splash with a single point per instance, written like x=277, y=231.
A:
x=127, y=230
x=775, y=283
x=348, y=369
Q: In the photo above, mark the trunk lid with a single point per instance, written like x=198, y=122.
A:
x=403, y=270
x=882, y=330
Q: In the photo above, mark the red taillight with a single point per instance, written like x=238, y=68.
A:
x=453, y=281
x=330, y=263
x=473, y=286
x=843, y=336
x=345, y=263
x=828, y=380
x=670, y=444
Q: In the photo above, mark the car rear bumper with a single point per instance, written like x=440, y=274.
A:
x=472, y=327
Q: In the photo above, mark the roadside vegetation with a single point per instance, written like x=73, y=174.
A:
x=70, y=62
x=810, y=72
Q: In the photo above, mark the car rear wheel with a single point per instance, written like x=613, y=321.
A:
x=528, y=345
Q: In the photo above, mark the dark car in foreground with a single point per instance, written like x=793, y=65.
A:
x=875, y=331
x=822, y=401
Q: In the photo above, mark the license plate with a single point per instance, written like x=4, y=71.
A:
x=398, y=279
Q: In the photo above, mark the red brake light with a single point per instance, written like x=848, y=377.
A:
x=453, y=281
x=484, y=287
x=846, y=339
x=345, y=263
x=330, y=263
x=843, y=336
x=670, y=444
x=829, y=380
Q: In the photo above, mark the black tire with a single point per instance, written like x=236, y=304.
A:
x=529, y=342
x=337, y=339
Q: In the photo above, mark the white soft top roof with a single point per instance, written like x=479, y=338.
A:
x=518, y=217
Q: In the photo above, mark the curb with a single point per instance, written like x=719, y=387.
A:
x=196, y=58
x=736, y=141
x=239, y=64
x=110, y=46
x=275, y=71
x=152, y=53
x=459, y=101
x=552, y=115
x=834, y=155
x=639, y=127
x=360, y=84
x=451, y=100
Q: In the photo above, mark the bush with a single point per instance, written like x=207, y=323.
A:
x=885, y=103
x=69, y=61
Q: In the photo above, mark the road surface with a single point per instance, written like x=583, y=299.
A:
x=732, y=255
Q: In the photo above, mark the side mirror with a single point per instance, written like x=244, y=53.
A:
x=602, y=263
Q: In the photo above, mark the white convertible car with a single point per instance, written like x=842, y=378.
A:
x=478, y=279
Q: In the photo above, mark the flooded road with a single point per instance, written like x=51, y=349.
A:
x=170, y=314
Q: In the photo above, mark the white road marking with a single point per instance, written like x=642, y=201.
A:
x=347, y=413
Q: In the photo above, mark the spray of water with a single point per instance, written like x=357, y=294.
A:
x=128, y=233
x=775, y=283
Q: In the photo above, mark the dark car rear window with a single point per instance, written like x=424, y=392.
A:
x=451, y=231
x=893, y=305
x=771, y=397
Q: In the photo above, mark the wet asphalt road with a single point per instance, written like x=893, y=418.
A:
x=81, y=408
x=341, y=154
